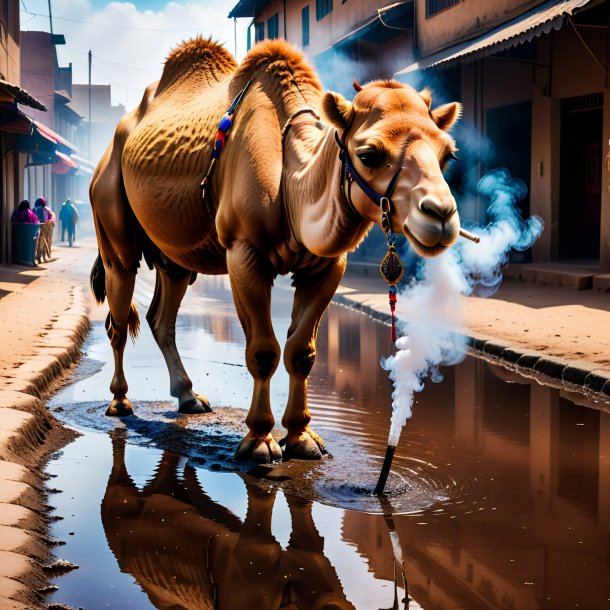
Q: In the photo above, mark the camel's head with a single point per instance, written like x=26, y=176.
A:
x=390, y=126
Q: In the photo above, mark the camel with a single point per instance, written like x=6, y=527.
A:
x=290, y=194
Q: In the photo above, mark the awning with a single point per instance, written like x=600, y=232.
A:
x=387, y=22
x=48, y=133
x=63, y=164
x=532, y=24
x=248, y=8
x=20, y=95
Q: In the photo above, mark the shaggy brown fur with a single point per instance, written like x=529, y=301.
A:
x=274, y=205
x=197, y=54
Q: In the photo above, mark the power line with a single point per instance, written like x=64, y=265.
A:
x=114, y=25
x=141, y=89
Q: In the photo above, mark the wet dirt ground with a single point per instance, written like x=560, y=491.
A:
x=499, y=495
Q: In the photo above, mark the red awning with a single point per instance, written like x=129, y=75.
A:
x=64, y=164
x=48, y=133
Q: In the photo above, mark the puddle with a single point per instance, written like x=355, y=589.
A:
x=499, y=495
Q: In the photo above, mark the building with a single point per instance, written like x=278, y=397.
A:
x=18, y=135
x=50, y=168
x=533, y=80
x=354, y=39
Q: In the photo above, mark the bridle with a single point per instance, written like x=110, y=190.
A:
x=348, y=174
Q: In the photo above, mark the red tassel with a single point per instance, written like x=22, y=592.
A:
x=392, y=296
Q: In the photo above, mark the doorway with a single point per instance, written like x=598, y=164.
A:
x=580, y=177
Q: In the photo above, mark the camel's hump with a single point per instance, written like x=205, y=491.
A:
x=282, y=59
x=200, y=53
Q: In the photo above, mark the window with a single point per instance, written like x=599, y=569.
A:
x=305, y=26
x=323, y=7
x=259, y=32
x=437, y=6
x=273, y=27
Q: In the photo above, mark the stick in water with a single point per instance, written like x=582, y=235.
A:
x=385, y=470
x=471, y=236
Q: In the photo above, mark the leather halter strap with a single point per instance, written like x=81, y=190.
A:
x=349, y=172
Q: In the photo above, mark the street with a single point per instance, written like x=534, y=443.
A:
x=467, y=472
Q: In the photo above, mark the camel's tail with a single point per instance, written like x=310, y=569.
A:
x=98, y=280
x=98, y=287
x=133, y=322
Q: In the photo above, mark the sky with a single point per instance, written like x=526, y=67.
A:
x=129, y=41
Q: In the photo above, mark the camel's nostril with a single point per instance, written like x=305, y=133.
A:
x=435, y=207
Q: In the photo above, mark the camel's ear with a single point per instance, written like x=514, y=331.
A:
x=426, y=96
x=357, y=85
x=446, y=115
x=337, y=109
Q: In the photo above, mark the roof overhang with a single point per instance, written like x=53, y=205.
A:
x=532, y=24
x=248, y=8
x=20, y=95
x=390, y=19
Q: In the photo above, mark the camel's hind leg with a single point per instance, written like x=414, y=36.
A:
x=170, y=288
x=121, y=318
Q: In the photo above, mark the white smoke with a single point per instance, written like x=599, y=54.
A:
x=434, y=331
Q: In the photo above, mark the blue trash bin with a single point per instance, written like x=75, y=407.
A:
x=24, y=243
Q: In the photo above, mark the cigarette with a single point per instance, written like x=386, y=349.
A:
x=385, y=470
x=468, y=235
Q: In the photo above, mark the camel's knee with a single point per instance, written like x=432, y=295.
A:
x=300, y=361
x=263, y=361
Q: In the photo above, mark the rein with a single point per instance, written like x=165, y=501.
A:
x=222, y=134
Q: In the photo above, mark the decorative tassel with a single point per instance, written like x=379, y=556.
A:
x=392, y=295
x=392, y=270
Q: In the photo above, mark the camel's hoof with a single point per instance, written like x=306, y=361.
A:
x=304, y=446
x=258, y=449
x=195, y=406
x=120, y=407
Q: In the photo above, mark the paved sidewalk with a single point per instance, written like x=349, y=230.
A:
x=43, y=321
x=557, y=331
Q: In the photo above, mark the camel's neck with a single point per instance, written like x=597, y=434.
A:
x=321, y=219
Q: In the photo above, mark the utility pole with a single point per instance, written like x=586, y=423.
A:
x=50, y=19
x=89, y=147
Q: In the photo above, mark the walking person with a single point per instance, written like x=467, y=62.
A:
x=68, y=215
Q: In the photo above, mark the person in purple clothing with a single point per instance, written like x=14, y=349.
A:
x=23, y=213
x=43, y=213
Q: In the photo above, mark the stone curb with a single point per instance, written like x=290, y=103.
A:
x=577, y=372
x=24, y=426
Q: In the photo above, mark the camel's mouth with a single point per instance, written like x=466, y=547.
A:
x=445, y=240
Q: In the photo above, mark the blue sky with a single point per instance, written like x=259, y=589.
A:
x=130, y=40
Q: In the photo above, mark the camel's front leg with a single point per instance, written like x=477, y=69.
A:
x=312, y=296
x=251, y=281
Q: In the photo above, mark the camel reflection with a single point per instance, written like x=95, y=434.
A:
x=187, y=551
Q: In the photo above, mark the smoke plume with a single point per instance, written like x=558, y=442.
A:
x=434, y=332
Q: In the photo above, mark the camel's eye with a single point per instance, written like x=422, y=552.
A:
x=371, y=158
x=450, y=156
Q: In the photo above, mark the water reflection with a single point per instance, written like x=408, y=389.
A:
x=187, y=551
x=507, y=483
